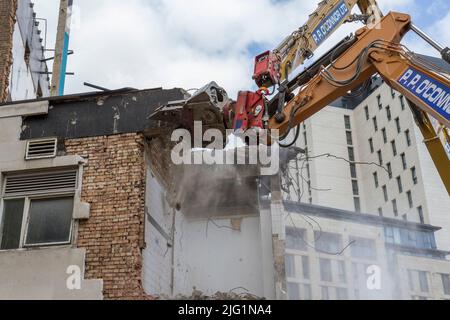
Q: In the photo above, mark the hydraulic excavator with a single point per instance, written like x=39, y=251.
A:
x=373, y=49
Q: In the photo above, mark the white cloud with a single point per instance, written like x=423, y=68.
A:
x=176, y=43
x=172, y=43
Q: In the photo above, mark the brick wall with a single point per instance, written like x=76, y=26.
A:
x=7, y=20
x=114, y=185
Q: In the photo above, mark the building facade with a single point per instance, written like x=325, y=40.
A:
x=92, y=207
x=23, y=70
x=339, y=255
x=72, y=199
x=366, y=154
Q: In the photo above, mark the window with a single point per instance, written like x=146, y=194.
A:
x=307, y=292
x=50, y=221
x=408, y=138
x=389, y=169
x=410, y=199
x=355, y=187
x=423, y=281
x=342, y=276
x=366, y=110
x=375, y=123
x=290, y=266
x=355, y=272
x=385, y=193
x=349, y=138
x=325, y=270
x=363, y=248
x=380, y=105
x=395, y=207
x=410, y=280
x=394, y=148
x=305, y=267
x=12, y=224
x=404, y=164
x=353, y=170
x=383, y=131
x=388, y=113
x=410, y=238
x=414, y=175
x=295, y=239
x=47, y=221
x=325, y=293
x=37, y=210
x=305, y=138
x=348, y=125
x=375, y=179
x=328, y=242
x=446, y=283
x=372, y=150
x=380, y=212
x=399, y=184
x=357, y=202
x=293, y=291
x=351, y=154
x=392, y=93
x=397, y=124
x=380, y=158
x=421, y=216
x=341, y=293
x=402, y=102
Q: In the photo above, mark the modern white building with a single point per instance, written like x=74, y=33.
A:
x=366, y=154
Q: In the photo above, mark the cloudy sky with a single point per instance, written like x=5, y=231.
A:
x=178, y=43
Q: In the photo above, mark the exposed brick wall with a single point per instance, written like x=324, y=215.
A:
x=7, y=20
x=114, y=185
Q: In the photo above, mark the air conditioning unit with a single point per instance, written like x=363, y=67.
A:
x=41, y=149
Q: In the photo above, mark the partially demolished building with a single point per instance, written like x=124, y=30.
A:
x=23, y=70
x=92, y=207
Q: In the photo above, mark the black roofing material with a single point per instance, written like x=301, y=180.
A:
x=98, y=114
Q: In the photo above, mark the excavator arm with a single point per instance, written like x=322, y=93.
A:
x=378, y=50
x=272, y=68
x=328, y=17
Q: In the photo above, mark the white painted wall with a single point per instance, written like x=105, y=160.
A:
x=157, y=255
x=437, y=200
x=213, y=258
x=21, y=86
x=42, y=275
x=208, y=255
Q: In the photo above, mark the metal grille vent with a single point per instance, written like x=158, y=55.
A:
x=50, y=182
x=39, y=149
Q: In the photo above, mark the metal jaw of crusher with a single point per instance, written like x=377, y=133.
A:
x=205, y=105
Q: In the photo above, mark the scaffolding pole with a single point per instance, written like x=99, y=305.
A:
x=61, y=48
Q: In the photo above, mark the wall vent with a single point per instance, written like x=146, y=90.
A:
x=41, y=183
x=40, y=149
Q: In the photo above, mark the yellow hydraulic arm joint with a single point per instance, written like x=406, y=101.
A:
x=327, y=18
